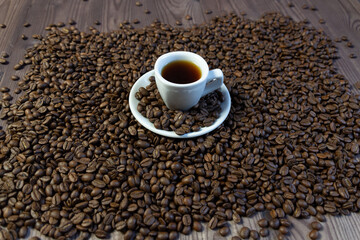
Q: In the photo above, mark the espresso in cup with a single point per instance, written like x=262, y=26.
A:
x=181, y=72
x=182, y=78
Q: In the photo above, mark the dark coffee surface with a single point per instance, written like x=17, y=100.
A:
x=181, y=72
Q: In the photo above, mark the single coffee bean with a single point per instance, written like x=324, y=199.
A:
x=314, y=234
x=264, y=232
x=263, y=223
x=254, y=234
x=197, y=226
x=316, y=225
x=244, y=232
x=283, y=230
x=224, y=231
x=274, y=223
x=213, y=222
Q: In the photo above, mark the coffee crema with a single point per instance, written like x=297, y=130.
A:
x=181, y=72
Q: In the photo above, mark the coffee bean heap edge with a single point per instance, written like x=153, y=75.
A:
x=203, y=114
x=75, y=161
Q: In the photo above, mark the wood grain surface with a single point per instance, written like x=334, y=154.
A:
x=342, y=18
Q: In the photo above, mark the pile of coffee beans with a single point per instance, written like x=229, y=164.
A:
x=74, y=161
x=203, y=114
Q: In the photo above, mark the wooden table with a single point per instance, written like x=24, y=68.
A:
x=342, y=17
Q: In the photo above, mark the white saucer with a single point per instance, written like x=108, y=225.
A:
x=143, y=81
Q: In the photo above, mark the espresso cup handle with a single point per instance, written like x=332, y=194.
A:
x=214, y=81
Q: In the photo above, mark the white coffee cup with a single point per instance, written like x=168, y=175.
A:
x=178, y=96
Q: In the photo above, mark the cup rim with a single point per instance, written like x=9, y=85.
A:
x=204, y=66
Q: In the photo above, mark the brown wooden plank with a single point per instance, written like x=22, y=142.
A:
x=342, y=18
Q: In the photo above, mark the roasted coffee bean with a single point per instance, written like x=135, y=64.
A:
x=187, y=220
x=274, y=223
x=3, y=61
x=316, y=225
x=224, y=231
x=283, y=230
x=244, y=232
x=197, y=226
x=236, y=218
x=263, y=223
x=213, y=222
x=254, y=234
x=23, y=232
x=314, y=234
x=264, y=232
x=320, y=217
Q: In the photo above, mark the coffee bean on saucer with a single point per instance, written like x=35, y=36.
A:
x=202, y=114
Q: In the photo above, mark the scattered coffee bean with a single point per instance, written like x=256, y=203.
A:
x=264, y=232
x=254, y=234
x=15, y=77
x=97, y=22
x=60, y=24
x=316, y=225
x=263, y=223
x=72, y=22
x=208, y=12
x=314, y=234
x=27, y=24
x=352, y=55
x=2, y=25
x=136, y=21
x=313, y=8
x=283, y=230
x=139, y=4
x=17, y=91
x=147, y=11
x=322, y=21
x=290, y=4
x=4, y=54
x=349, y=45
x=3, y=61
x=4, y=89
x=224, y=231
x=188, y=17
x=274, y=223
x=244, y=232
x=305, y=6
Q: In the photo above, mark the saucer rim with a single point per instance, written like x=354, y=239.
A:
x=133, y=102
